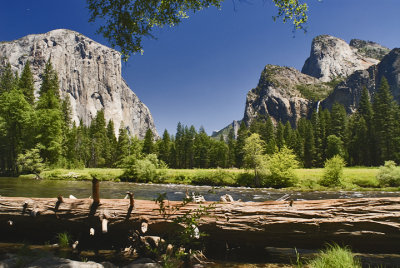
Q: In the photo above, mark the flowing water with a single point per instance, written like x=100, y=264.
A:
x=82, y=189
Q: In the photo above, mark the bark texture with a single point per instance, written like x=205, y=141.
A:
x=371, y=224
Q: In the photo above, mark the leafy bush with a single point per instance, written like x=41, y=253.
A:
x=245, y=179
x=31, y=162
x=335, y=257
x=149, y=169
x=389, y=174
x=281, y=166
x=333, y=171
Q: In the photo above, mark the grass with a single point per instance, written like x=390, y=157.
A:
x=63, y=240
x=354, y=178
x=335, y=256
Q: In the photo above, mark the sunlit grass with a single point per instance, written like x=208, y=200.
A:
x=354, y=178
x=335, y=256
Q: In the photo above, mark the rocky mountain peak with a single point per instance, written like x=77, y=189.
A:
x=369, y=49
x=348, y=93
x=89, y=75
x=332, y=57
x=279, y=95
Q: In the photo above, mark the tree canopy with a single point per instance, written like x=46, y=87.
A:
x=126, y=22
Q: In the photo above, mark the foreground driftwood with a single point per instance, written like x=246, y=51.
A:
x=371, y=224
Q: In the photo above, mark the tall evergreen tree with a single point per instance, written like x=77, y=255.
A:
x=98, y=137
x=231, y=148
x=7, y=79
x=243, y=133
x=26, y=83
x=148, y=142
x=110, y=145
x=202, y=145
x=384, y=122
x=180, y=146
x=50, y=116
x=123, y=146
x=16, y=122
x=164, y=148
x=309, y=145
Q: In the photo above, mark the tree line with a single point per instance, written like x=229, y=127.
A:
x=368, y=137
x=41, y=128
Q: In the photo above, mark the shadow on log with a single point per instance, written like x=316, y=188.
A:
x=367, y=224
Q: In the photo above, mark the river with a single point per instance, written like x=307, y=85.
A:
x=82, y=189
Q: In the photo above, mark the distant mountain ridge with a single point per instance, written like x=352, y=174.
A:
x=334, y=72
x=89, y=75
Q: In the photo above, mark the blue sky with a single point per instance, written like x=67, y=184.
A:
x=200, y=71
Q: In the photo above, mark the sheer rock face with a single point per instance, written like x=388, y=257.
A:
x=277, y=95
x=348, y=93
x=332, y=57
x=89, y=75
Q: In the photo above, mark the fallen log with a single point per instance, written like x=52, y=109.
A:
x=366, y=224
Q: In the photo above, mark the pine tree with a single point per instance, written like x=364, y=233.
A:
x=148, y=143
x=164, y=147
x=384, y=122
x=50, y=117
x=26, y=83
x=202, y=145
x=243, y=133
x=110, y=145
x=309, y=146
x=368, y=143
x=7, y=79
x=180, y=146
x=16, y=128
x=231, y=148
x=280, y=140
x=98, y=139
x=190, y=134
x=123, y=146
x=218, y=154
x=269, y=136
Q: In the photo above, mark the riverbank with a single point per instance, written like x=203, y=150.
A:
x=353, y=179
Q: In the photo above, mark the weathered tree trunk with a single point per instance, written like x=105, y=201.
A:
x=371, y=224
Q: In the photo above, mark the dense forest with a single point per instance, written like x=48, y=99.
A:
x=40, y=128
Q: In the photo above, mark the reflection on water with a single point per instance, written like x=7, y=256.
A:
x=82, y=189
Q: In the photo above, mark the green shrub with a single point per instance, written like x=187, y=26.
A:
x=335, y=257
x=389, y=174
x=281, y=166
x=245, y=179
x=31, y=162
x=333, y=171
x=149, y=169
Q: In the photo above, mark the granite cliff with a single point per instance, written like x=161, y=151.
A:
x=89, y=75
x=348, y=93
x=334, y=72
x=332, y=57
x=279, y=95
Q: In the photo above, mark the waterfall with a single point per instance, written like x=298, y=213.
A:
x=318, y=106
